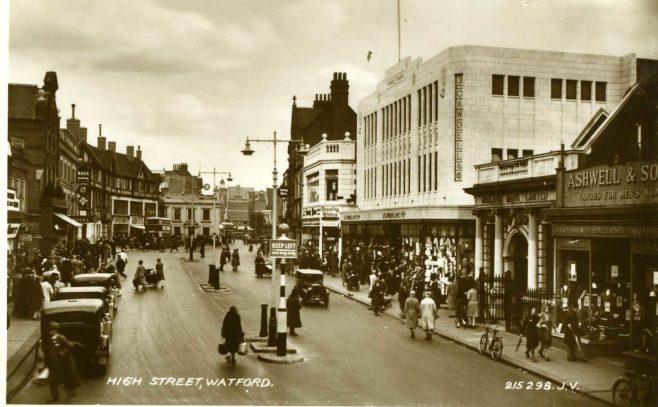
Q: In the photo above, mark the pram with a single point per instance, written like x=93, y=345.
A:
x=153, y=279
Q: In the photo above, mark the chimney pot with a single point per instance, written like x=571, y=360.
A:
x=73, y=109
x=335, y=75
x=139, y=152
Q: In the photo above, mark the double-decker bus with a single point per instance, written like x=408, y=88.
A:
x=158, y=227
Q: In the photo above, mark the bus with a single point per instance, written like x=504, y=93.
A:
x=158, y=227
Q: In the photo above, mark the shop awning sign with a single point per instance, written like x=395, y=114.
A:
x=283, y=249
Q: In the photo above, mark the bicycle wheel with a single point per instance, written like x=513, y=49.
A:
x=643, y=390
x=622, y=393
x=496, y=348
x=484, y=342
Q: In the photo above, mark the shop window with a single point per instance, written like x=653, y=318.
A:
x=512, y=153
x=527, y=153
x=496, y=154
x=313, y=182
x=206, y=214
x=571, y=89
x=176, y=213
x=600, y=91
x=513, y=86
x=556, y=88
x=528, y=87
x=497, y=84
x=586, y=90
x=331, y=181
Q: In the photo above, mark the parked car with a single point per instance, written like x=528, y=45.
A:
x=99, y=292
x=311, y=288
x=81, y=320
x=107, y=280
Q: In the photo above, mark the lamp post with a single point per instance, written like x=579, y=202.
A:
x=276, y=273
x=215, y=202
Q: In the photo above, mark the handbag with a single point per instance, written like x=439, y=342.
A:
x=242, y=348
x=222, y=348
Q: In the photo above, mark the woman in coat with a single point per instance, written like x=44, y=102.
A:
x=411, y=310
x=546, y=328
x=531, y=330
x=451, y=297
x=235, y=260
x=294, y=305
x=472, y=311
x=232, y=333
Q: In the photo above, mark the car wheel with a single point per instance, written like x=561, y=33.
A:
x=326, y=302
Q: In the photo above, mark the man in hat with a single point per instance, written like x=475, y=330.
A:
x=60, y=362
x=428, y=314
x=411, y=309
x=570, y=331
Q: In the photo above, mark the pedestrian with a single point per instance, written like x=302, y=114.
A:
x=140, y=276
x=159, y=269
x=546, y=328
x=202, y=249
x=531, y=331
x=377, y=295
x=411, y=310
x=35, y=295
x=174, y=245
x=571, y=332
x=428, y=314
x=235, y=260
x=124, y=256
x=294, y=305
x=472, y=309
x=121, y=266
x=451, y=296
x=47, y=289
x=62, y=369
x=224, y=258
x=232, y=333
x=403, y=294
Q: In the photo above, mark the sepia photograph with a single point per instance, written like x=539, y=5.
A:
x=330, y=202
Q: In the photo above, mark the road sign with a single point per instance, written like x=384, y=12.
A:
x=283, y=248
x=206, y=186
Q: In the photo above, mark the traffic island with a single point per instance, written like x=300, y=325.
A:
x=285, y=360
x=209, y=288
x=261, y=347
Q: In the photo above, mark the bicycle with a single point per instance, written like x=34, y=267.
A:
x=636, y=390
x=493, y=346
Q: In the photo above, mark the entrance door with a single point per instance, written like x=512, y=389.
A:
x=518, y=259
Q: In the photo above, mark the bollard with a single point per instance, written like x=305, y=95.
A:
x=211, y=269
x=282, y=314
x=271, y=340
x=215, y=278
x=263, y=320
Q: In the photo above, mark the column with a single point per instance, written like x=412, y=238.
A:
x=532, y=249
x=498, y=245
x=479, y=244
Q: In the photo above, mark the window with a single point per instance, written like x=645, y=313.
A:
x=571, y=89
x=206, y=215
x=496, y=154
x=586, y=90
x=512, y=86
x=512, y=153
x=331, y=180
x=136, y=208
x=120, y=207
x=600, y=91
x=177, y=228
x=528, y=87
x=313, y=182
x=556, y=88
x=189, y=213
x=206, y=231
x=527, y=153
x=497, y=84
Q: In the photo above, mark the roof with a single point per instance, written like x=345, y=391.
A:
x=312, y=272
x=93, y=289
x=22, y=100
x=122, y=166
x=91, y=277
x=74, y=305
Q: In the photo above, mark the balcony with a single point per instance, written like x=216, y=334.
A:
x=330, y=150
x=534, y=166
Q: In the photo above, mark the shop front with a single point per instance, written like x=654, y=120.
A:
x=321, y=230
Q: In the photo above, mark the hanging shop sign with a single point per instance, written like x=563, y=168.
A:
x=628, y=184
x=330, y=223
x=573, y=244
x=459, y=124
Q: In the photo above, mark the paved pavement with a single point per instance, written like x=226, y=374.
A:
x=595, y=376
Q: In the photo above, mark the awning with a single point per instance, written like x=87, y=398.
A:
x=68, y=220
x=138, y=226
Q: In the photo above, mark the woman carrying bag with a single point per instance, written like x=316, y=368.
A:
x=232, y=333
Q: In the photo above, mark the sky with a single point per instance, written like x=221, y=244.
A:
x=188, y=81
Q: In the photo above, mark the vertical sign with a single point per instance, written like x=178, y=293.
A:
x=459, y=107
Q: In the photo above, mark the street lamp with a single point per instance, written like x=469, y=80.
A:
x=215, y=201
x=247, y=151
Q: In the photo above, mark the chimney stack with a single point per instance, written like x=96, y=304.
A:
x=73, y=124
x=139, y=153
x=340, y=89
x=130, y=152
x=112, y=145
x=101, y=139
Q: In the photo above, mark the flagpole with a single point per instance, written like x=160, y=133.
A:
x=399, y=31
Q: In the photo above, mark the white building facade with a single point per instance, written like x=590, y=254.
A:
x=329, y=181
x=426, y=126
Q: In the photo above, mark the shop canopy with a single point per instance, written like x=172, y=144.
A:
x=68, y=220
x=138, y=226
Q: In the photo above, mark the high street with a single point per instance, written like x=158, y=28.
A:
x=168, y=339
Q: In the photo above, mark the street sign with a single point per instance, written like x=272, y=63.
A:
x=283, y=249
x=283, y=192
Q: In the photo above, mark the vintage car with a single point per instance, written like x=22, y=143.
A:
x=84, y=321
x=310, y=287
x=71, y=293
x=107, y=280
